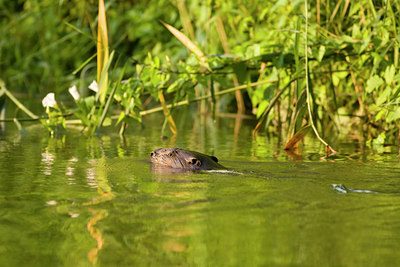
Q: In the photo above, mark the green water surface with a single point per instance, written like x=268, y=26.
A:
x=83, y=201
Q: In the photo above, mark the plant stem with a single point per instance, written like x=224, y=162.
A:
x=186, y=102
x=3, y=90
x=307, y=87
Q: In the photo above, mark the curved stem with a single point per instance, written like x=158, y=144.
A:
x=308, y=89
x=4, y=90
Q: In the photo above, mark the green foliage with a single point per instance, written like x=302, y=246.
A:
x=353, y=52
x=55, y=123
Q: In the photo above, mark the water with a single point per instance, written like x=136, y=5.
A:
x=79, y=201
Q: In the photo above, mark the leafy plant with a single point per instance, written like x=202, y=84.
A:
x=329, y=64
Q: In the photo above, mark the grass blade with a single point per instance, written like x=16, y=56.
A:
x=185, y=41
x=293, y=142
x=167, y=113
x=102, y=51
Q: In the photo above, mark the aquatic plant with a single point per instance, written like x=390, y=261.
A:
x=55, y=122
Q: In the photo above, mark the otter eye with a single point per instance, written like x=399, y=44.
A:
x=170, y=154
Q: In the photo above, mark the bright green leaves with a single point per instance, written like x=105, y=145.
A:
x=182, y=83
x=128, y=97
x=393, y=115
x=321, y=53
x=385, y=91
x=338, y=77
x=377, y=142
x=373, y=83
x=262, y=107
x=383, y=96
x=84, y=106
x=389, y=74
x=353, y=58
x=261, y=98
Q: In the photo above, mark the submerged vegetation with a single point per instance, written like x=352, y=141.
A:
x=329, y=64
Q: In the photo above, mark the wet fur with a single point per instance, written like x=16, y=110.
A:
x=183, y=159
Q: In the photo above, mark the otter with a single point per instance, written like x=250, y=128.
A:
x=178, y=158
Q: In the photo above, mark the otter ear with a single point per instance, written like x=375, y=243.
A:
x=214, y=158
x=194, y=162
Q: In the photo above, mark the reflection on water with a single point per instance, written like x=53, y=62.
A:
x=83, y=201
x=91, y=174
x=47, y=161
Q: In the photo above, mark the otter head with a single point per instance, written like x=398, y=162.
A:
x=182, y=159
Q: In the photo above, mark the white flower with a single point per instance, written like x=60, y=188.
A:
x=73, y=215
x=49, y=101
x=74, y=92
x=94, y=87
x=51, y=203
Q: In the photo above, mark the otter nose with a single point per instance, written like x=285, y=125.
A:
x=153, y=154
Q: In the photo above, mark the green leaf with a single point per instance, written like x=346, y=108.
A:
x=176, y=85
x=373, y=83
x=337, y=77
x=262, y=107
x=365, y=42
x=383, y=96
x=335, y=80
x=380, y=114
x=240, y=70
x=389, y=74
x=348, y=39
x=354, y=8
x=253, y=51
x=393, y=115
x=380, y=140
x=215, y=63
x=321, y=53
x=89, y=101
x=356, y=31
x=120, y=118
x=107, y=121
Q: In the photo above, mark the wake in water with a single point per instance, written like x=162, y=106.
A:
x=344, y=190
